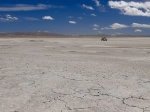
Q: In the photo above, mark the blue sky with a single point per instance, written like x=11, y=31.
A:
x=76, y=16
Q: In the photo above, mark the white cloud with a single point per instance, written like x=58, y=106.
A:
x=115, y=26
x=72, y=22
x=95, y=29
x=138, y=30
x=93, y=15
x=95, y=25
x=103, y=28
x=25, y=7
x=47, y=18
x=131, y=8
x=118, y=26
x=116, y=33
x=97, y=2
x=8, y=18
x=88, y=7
x=137, y=25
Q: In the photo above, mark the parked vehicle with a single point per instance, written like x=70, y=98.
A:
x=104, y=39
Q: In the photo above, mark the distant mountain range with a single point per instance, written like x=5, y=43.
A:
x=48, y=34
x=30, y=34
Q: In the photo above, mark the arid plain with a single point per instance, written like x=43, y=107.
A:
x=74, y=75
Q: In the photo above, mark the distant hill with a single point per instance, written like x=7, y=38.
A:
x=53, y=35
x=31, y=34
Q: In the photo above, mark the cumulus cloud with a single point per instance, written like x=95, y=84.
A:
x=95, y=25
x=48, y=18
x=137, y=25
x=25, y=7
x=138, y=30
x=118, y=26
x=93, y=15
x=87, y=7
x=95, y=29
x=72, y=22
x=97, y=2
x=131, y=8
x=115, y=26
x=116, y=33
x=8, y=18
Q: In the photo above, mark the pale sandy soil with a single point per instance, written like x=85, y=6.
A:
x=74, y=75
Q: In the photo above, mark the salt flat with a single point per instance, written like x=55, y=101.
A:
x=74, y=75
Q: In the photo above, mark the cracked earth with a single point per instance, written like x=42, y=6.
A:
x=74, y=75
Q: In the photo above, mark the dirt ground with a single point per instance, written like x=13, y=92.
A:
x=74, y=75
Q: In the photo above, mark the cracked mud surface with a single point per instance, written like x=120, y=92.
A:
x=74, y=75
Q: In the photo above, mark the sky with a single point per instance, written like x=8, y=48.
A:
x=76, y=17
